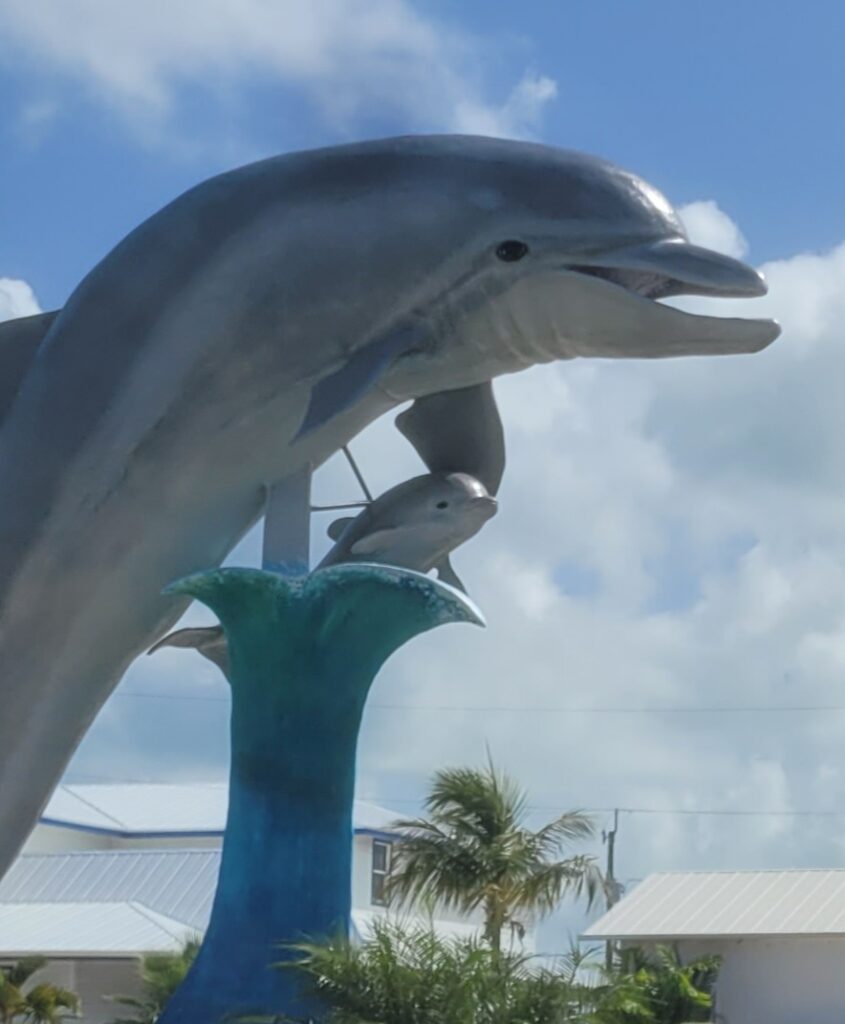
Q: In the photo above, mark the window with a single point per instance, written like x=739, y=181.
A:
x=381, y=869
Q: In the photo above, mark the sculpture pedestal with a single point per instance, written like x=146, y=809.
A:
x=303, y=654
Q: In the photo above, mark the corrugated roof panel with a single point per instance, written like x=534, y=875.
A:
x=740, y=903
x=90, y=929
x=177, y=883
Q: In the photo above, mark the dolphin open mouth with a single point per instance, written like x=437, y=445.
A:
x=667, y=268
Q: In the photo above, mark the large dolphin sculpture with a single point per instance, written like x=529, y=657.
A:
x=254, y=326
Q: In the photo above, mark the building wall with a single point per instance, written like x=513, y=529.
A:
x=94, y=981
x=97, y=980
x=61, y=839
x=791, y=980
x=51, y=839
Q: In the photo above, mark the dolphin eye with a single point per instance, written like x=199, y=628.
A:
x=511, y=250
x=442, y=504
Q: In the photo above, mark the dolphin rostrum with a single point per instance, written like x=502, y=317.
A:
x=255, y=325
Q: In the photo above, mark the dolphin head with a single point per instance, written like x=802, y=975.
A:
x=416, y=524
x=550, y=254
x=438, y=507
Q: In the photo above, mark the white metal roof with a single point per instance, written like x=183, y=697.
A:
x=86, y=929
x=723, y=904
x=178, y=884
x=363, y=922
x=162, y=809
x=101, y=903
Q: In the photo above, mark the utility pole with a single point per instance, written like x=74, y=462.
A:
x=612, y=886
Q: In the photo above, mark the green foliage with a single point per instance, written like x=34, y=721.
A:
x=161, y=975
x=675, y=993
x=416, y=977
x=399, y=977
x=474, y=851
x=38, y=1004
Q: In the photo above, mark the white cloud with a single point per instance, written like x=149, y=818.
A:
x=350, y=56
x=16, y=299
x=711, y=227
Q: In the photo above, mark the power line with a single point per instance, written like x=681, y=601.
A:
x=706, y=812
x=544, y=710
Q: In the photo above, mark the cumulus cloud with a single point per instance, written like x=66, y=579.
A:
x=711, y=227
x=350, y=56
x=671, y=536
x=16, y=299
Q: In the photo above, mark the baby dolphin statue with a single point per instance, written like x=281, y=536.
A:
x=254, y=326
x=415, y=525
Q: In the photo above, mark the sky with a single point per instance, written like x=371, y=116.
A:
x=665, y=582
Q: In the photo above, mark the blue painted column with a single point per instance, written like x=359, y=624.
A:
x=303, y=654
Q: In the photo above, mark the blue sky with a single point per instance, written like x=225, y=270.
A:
x=670, y=534
x=716, y=99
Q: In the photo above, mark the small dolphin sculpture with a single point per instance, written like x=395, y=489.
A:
x=415, y=525
x=254, y=326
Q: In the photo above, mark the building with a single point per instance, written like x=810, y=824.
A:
x=780, y=934
x=114, y=871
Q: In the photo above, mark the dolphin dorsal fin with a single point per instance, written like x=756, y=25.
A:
x=19, y=341
x=338, y=526
x=458, y=431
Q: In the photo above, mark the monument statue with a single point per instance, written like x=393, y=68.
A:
x=218, y=355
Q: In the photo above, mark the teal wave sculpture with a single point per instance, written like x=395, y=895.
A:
x=303, y=655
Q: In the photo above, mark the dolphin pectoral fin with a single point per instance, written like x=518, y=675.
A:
x=447, y=574
x=210, y=641
x=361, y=371
x=338, y=526
x=458, y=432
x=377, y=541
x=198, y=636
x=19, y=341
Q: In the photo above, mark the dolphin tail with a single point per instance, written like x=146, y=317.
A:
x=447, y=574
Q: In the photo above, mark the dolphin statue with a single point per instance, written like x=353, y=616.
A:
x=255, y=325
x=416, y=525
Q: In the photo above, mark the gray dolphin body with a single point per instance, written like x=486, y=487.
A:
x=254, y=326
x=415, y=525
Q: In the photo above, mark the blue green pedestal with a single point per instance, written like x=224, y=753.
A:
x=303, y=654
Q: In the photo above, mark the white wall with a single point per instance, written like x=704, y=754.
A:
x=96, y=980
x=51, y=839
x=93, y=981
x=59, y=839
x=790, y=980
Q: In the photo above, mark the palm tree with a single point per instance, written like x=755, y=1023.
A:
x=474, y=851
x=161, y=975
x=40, y=1004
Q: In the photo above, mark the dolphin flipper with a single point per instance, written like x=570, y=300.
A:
x=447, y=574
x=210, y=641
x=339, y=391
x=19, y=341
x=336, y=528
x=458, y=432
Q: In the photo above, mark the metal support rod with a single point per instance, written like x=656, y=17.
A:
x=287, y=525
x=358, y=474
x=336, y=508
